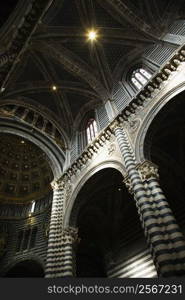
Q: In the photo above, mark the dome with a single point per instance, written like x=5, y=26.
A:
x=25, y=173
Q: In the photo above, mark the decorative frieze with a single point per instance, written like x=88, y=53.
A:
x=89, y=152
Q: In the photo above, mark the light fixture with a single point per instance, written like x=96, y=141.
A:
x=119, y=189
x=92, y=35
x=54, y=88
x=22, y=142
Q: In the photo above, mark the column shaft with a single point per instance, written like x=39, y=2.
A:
x=163, y=235
x=55, y=252
x=60, y=254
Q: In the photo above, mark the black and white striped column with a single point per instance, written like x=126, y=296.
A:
x=169, y=230
x=163, y=235
x=69, y=238
x=55, y=249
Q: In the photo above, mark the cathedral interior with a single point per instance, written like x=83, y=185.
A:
x=92, y=138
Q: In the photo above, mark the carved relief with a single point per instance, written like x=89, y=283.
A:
x=133, y=125
x=58, y=184
x=114, y=125
x=148, y=170
x=68, y=191
x=70, y=235
x=111, y=149
x=128, y=184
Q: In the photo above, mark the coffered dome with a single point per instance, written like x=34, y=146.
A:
x=25, y=173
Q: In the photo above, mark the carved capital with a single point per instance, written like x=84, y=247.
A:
x=70, y=235
x=128, y=184
x=114, y=125
x=58, y=184
x=148, y=170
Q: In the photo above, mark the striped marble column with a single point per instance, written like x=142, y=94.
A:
x=55, y=251
x=163, y=235
x=69, y=238
x=60, y=255
x=171, y=256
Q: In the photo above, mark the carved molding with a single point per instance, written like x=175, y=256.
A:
x=68, y=191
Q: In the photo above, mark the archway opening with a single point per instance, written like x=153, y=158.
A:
x=27, y=268
x=109, y=229
x=165, y=146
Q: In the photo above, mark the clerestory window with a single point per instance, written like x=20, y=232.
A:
x=91, y=130
x=140, y=77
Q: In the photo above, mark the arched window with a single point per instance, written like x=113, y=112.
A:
x=140, y=77
x=91, y=130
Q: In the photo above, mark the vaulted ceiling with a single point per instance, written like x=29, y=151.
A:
x=57, y=51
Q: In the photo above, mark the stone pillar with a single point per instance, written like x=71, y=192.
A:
x=60, y=255
x=69, y=239
x=166, y=229
x=54, y=252
x=163, y=235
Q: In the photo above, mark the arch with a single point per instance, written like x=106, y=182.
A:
x=107, y=164
x=139, y=143
x=30, y=267
x=31, y=106
x=55, y=155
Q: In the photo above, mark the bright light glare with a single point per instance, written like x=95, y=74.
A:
x=92, y=35
x=32, y=206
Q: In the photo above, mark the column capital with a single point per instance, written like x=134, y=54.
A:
x=128, y=184
x=58, y=184
x=147, y=170
x=114, y=125
x=70, y=235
